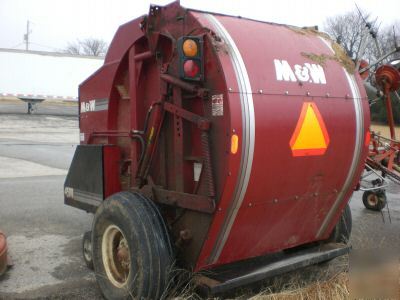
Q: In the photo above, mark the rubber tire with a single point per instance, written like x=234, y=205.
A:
x=87, y=237
x=151, y=259
x=342, y=231
x=381, y=200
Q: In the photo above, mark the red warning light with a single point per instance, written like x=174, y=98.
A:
x=191, y=68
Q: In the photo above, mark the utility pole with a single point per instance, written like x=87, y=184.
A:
x=26, y=36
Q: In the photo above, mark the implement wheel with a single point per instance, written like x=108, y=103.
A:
x=131, y=255
x=374, y=200
x=87, y=249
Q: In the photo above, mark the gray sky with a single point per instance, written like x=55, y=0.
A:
x=55, y=23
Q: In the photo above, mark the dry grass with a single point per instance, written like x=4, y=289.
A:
x=340, y=57
x=326, y=281
x=334, y=288
x=384, y=130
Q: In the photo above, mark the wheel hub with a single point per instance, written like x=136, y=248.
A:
x=116, y=256
x=373, y=199
x=123, y=254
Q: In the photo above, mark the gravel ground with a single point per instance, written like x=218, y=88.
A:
x=44, y=235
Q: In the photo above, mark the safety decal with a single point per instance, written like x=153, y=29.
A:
x=310, y=136
x=217, y=105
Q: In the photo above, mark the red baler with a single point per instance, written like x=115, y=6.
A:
x=217, y=143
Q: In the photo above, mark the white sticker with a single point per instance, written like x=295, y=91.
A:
x=217, y=105
x=82, y=136
x=69, y=192
x=197, y=170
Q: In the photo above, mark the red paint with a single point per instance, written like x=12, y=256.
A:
x=263, y=226
x=111, y=169
x=363, y=64
x=367, y=138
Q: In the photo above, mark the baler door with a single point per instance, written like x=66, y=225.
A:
x=92, y=177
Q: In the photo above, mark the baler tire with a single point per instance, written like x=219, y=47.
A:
x=87, y=249
x=163, y=228
x=140, y=263
x=378, y=204
x=342, y=231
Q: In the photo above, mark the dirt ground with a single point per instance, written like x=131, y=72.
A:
x=384, y=130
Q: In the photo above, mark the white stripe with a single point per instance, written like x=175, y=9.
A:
x=357, y=148
x=248, y=125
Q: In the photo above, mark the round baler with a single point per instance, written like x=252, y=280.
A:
x=216, y=143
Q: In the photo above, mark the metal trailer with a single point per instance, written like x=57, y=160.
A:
x=217, y=144
x=31, y=102
x=36, y=76
x=383, y=162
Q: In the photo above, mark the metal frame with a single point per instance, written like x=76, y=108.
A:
x=370, y=172
x=248, y=272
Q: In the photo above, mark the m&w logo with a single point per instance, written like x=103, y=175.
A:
x=312, y=73
x=88, y=106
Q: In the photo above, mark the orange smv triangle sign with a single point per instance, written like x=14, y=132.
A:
x=310, y=136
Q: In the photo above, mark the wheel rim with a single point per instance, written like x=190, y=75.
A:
x=372, y=199
x=116, y=256
x=87, y=250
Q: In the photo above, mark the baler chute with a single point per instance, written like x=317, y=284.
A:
x=217, y=142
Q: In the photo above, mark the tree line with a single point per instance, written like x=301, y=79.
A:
x=363, y=37
x=88, y=46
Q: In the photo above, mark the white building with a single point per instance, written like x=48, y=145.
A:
x=46, y=75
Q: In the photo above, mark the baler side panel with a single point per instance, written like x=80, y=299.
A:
x=125, y=36
x=94, y=103
x=288, y=198
x=275, y=184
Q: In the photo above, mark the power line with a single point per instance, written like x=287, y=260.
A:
x=49, y=47
x=17, y=45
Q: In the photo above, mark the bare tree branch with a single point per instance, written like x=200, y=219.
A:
x=89, y=46
x=349, y=30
